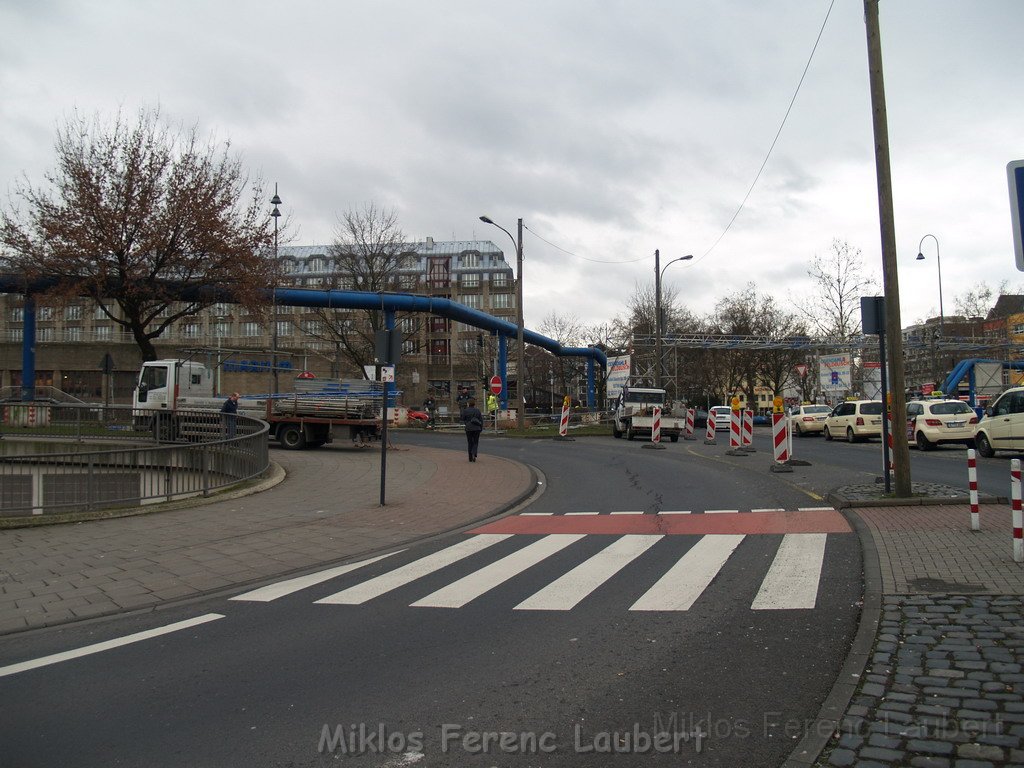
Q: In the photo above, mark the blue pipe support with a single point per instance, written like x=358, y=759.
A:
x=503, y=369
x=28, y=350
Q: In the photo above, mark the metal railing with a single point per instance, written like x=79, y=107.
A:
x=187, y=453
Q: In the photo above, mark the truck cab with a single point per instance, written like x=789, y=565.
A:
x=634, y=414
x=162, y=382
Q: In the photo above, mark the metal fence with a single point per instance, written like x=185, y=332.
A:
x=51, y=460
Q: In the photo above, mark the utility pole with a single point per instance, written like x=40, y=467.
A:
x=890, y=279
x=657, y=318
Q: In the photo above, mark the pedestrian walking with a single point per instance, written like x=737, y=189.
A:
x=429, y=407
x=462, y=400
x=474, y=421
x=229, y=415
x=492, y=404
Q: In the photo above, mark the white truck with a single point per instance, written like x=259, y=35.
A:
x=307, y=419
x=634, y=414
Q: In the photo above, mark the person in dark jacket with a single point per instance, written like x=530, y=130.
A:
x=474, y=421
x=230, y=414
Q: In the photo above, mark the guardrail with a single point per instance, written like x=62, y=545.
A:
x=189, y=453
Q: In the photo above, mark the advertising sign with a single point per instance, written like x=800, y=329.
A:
x=618, y=376
x=834, y=372
x=872, y=372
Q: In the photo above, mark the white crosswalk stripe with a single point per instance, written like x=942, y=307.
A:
x=791, y=582
x=684, y=582
x=470, y=587
x=567, y=591
x=417, y=569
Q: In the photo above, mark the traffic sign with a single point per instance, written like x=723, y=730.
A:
x=1015, y=177
x=495, y=385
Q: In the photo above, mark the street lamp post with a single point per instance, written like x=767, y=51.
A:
x=658, y=273
x=520, y=366
x=938, y=262
x=275, y=214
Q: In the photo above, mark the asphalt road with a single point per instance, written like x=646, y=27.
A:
x=429, y=669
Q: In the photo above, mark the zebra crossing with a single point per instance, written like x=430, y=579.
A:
x=790, y=583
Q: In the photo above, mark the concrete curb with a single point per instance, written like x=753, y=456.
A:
x=841, y=502
x=833, y=709
x=273, y=475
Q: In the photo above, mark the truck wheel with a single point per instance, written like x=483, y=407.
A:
x=674, y=438
x=291, y=437
x=616, y=432
x=629, y=432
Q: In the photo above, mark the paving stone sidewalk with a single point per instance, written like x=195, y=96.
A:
x=941, y=685
x=325, y=510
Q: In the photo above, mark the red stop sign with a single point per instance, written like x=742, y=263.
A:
x=496, y=384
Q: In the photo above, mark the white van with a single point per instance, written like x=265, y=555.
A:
x=1002, y=427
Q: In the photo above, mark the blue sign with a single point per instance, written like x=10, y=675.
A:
x=1015, y=177
x=835, y=377
x=254, y=366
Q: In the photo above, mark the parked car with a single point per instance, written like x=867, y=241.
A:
x=1002, y=427
x=722, y=414
x=808, y=419
x=932, y=422
x=855, y=419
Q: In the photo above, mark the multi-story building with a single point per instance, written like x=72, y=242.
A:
x=438, y=355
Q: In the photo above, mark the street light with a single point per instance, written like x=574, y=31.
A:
x=658, y=273
x=520, y=368
x=938, y=261
x=275, y=214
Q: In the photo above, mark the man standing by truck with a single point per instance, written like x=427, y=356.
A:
x=229, y=415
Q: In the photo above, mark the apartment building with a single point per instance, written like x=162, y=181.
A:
x=438, y=355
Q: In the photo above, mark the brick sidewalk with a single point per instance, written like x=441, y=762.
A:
x=327, y=509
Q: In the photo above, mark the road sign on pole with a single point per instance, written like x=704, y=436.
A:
x=1015, y=178
x=495, y=384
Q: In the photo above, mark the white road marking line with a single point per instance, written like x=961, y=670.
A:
x=399, y=577
x=568, y=590
x=282, y=588
x=675, y=512
x=721, y=511
x=627, y=513
x=792, y=580
x=684, y=582
x=107, y=645
x=470, y=587
x=816, y=509
x=534, y=514
x=582, y=513
x=769, y=509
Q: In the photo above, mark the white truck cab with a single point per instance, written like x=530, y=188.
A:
x=634, y=414
x=163, y=382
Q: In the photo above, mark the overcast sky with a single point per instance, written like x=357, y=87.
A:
x=611, y=128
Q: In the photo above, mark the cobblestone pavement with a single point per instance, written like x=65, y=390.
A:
x=941, y=683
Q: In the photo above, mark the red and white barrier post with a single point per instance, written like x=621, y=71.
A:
x=780, y=437
x=748, y=430
x=736, y=430
x=709, y=431
x=656, y=424
x=972, y=481
x=563, y=423
x=1018, y=524
x=691, y=419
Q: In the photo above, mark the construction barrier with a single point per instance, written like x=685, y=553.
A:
x=709, y=432
x=972, y=482
x=892, y=465
x=1018, y=524
x=780, y=434
x=563, y=423
x=691, y=420
x=735, y=434
x=656, y=425
x=748, y=430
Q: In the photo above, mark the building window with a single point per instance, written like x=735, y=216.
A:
x=439, y=324
x=410, y=347
x=221, y=330
x=472, y=300
x=103, y=332
x=317, y=264
x=44, y=313
x=44, y=334
x=502, y=301
x=191, y=330
x=74, y=312
x=284, y=327
x=249, y=330
x=408, y=282
x=409, y=325
x=470, y=280
x=17, y=314
x=499, y=280
x=73, y=333
x=313, y=327
x=470, y=260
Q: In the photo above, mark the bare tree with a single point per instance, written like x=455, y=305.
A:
x=979, y=299
x=368, y=251
x=133, y=213
x=832, y=310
